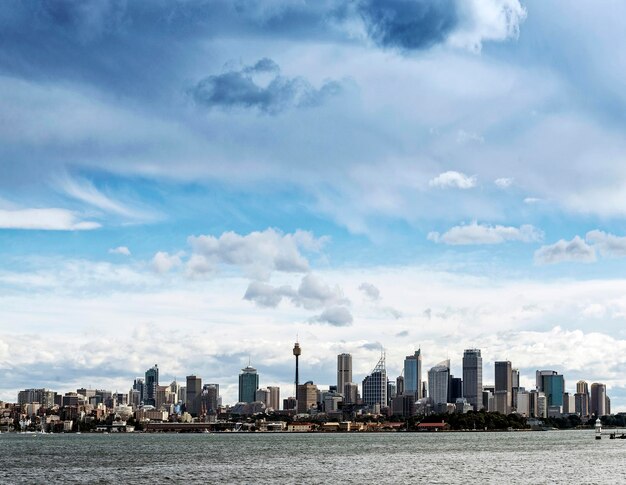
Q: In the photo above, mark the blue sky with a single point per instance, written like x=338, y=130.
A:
x=196, y=182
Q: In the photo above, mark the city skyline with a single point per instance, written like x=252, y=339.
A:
x=195, y=184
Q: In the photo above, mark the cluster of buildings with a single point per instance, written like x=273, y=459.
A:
x=408, y=395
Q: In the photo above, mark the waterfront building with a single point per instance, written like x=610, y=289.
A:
x=194, y=389
x=306, y=397
x=552, y=384
x=262, y=395
x=438, y=379
x=503, y=392
x=344, y=370
x=523, y=404
x=248, y=384
x=44, y=397
x=151, y=383
x=139, y=386
x=455, y=389
x=391, y=391
x=515, y=387
x=274, y=401
x=400, y=385
x=413, y=374
x=542, y=405
x=210, y=399
x=598, y=399
x=569, y=403
x=581, y=404
x=473, y=377
x=289, y=403
x=375, y=385
x=350, y=393
x=403, y=405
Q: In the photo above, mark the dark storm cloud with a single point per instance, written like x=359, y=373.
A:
x=238, y=88
x=409, y=24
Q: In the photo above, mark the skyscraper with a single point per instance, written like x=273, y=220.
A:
x=413, y=374
x=274, y=397
x=306, y=396
x=375, y=385
x=598, y=399
x=438, y=381
x=552, y=384
x=248, y=384
x=473, y=377
x=503, y=386
x=344, y=370
x=193, y=391
x=581, y=398
x=210, y=398
x=151, y=383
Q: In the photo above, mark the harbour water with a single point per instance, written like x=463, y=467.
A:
x=471, y=457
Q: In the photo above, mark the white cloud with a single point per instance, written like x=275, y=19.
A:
x=51, y=219
x=475, y=233
x=162, y=262
x=258, y=253
x=453, y=179
x=370, y=291
x=487, y=20
x=311, y=294
x=532, y=200
x=503, y=182
x=338, y=316
x=575, y=250
x=608, y=245
x=123, y=250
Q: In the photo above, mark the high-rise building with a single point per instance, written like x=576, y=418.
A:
x=274, y=402
x=139, y=386
x=515, y=387
x=375, y=385
x=503, y=384
x=350, y=393
x=400, y=385
x=151, y=383
x=263, y=395
x=473, y=377
x=455, y=389
x=306, y=396
x=391, y=391
x=438, y=380
x=413, y=374
x=210, y=398
x=248, y=384
x=523, y=404
x=598, y=399
x=344, y=370
x=192, y=400
x=552, y=384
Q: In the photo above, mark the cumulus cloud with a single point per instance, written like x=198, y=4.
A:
x=259, y=253
x=503, y=182
x=475, y=233
x=608, y=245
x=311, y=294
x=338, y=316
x=48, y=219
x=370, y=291
x=416, y=25
x=241, y=88
x=576, y=250
x=123, y=250
x=407, y=24
x=162, y=262
x=486, y=20
x=464, y=137
x=453, y=179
